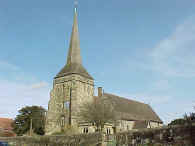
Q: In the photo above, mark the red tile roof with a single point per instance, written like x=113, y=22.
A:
x=5, y=123
x=6, y=128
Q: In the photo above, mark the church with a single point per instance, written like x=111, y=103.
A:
x=73, y=86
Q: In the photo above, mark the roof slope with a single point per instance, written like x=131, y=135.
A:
x=6, y=128
x=132, y=110
x=74, y=69
x=5, y=123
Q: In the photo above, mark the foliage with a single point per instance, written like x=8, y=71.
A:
x=67, y=131
x=98, y=112
x=6, y=133
x=21, y=124
x=190, y=119
x=192, y=116
x=182, y=121
x=73, y=140
x=178, y=122
x=179, y=136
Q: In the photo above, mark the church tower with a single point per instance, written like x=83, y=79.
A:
x=72, y=86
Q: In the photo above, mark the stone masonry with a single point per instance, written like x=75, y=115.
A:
x=71, y=87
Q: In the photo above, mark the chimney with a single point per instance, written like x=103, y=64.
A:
x=100, y=92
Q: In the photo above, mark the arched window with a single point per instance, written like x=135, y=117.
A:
x=108, y=130
x=85, y=130
x=62, y=121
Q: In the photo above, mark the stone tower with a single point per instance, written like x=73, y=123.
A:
x=72, y=86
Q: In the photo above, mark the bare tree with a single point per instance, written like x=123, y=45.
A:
x=98, y=112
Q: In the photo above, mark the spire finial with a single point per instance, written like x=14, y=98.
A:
x=75, y=5
x=74, y=61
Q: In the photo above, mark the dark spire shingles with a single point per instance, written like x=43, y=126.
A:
x=74, y=61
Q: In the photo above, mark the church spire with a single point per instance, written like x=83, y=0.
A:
x=74, y=61
x=74, y=55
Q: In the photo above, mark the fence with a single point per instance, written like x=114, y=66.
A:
x=172, y=136
x=75, y=140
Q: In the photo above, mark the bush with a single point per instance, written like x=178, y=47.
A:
x=68, y=130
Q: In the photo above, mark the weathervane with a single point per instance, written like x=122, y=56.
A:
x=76, y=5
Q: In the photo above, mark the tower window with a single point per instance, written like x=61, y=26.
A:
x=108, y=131
x=62, y=122
x=85, y=130
x=66, y=104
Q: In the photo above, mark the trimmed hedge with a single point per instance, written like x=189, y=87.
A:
x=173, y=135
x=74, y=140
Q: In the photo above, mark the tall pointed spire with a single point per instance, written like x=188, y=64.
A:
x=74, y=61
x=74, y=55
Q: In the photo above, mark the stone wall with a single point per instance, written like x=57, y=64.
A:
x=71, y=89
x=124, y=125
x=75, y=140
x=154, y=124
x=174, y=136
x=171, y=136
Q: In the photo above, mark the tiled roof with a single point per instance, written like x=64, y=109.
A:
x=74, y=68
x=6, y=128
x=132, y=110
x=5, y=123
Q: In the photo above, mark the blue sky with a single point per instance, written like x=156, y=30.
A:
x=143, y=50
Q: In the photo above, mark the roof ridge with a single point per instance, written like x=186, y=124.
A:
x=5, y=118
x=126, y=98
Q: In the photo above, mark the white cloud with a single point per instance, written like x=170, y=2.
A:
x=12, y=72
x=176, y=109
x=175, y=54
x=171, y=57
x=5, y=65
x=15, y=94
x=167, y=107
x=39, y=85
